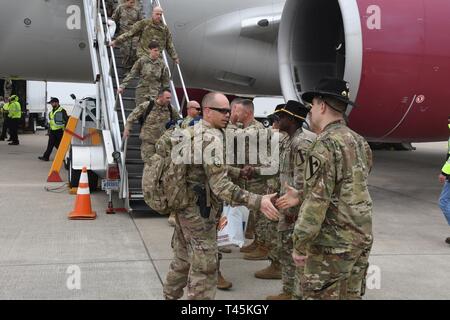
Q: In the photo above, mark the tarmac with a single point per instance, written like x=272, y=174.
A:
x=43, y=255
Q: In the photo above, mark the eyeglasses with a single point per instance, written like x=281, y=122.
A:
x=221, y=110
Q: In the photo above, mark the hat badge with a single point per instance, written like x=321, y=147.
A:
x=344, y=93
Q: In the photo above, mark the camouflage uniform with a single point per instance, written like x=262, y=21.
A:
x=153, y=75
x=153, y=127
x=125, y=18
x=186, y=121
x=195, y=237
x=334, y=229
x=147, y=31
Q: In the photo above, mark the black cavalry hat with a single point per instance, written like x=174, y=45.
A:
x=295, y=109
x=273, y=116
x=330, y=87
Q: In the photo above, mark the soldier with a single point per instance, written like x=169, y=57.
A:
x=125, y=16
x=193, y=112
x=245, y=112
x=333, y=235
x=195, y=237
x=273, y=271
x=155, y=114
x=153, y=75
x=148, y=30
x=292, y=154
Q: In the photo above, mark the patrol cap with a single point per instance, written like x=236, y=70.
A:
x=295, y=109
x=330, y=87
x=53, y=99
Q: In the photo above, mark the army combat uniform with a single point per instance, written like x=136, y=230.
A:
x=125, y=18
x=153, y=75
x=147, y=31
x=334, y=229
x=195, y=237
x=153, y=127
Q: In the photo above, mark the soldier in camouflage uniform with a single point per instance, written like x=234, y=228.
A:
x=125, y=16
x=195, y=237
x=153, y=75
x=333, y=235
x=273, y=271
x=148, y=30
x=193, y=111
x=244, y=118
x=155, y=123
x=292, y=154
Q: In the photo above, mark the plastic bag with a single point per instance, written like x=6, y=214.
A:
x=232, y=225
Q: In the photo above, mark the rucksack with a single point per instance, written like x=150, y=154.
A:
x=164, y=182
x=149, y=109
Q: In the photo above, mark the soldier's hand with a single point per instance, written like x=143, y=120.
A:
x=442, y=178
x=113, y=43
x=126, y=133
x=298, y=260
x=177, y=61
x=289, y=199
x=247, y=172
x=267, y=207
x=120, y=90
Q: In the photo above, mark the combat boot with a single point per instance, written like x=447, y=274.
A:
x=260, y=253
x=447, y=240
x=223, y=284
x=249, y=248
x=171, y=220
x=281, y=296
x=271, y=272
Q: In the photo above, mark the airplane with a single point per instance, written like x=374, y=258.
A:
x=394, y=53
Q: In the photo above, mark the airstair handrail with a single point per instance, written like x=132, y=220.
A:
x=180, y=74
x=123, y=142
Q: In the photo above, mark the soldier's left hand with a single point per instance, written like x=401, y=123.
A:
x=298, y=260
x=267, y=207
x=289, y=199
x=177, y=61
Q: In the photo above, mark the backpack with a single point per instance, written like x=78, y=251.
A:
x=164, y=182
x=149, y=109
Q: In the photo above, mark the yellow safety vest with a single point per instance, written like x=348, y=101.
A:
x=56, y=119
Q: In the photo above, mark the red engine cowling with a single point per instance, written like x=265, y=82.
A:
x=395, y=54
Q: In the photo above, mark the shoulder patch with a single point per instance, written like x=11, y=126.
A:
x=300, y=158
x=312, y=167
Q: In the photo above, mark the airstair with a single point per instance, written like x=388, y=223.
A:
x=115, y=108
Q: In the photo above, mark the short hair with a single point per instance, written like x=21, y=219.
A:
x=248, y=104
x=153, y=45
x=162, y=90
x=236, y=101
x=208, y=99
x=335, y=104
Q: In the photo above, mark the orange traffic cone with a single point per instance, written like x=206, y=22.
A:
x=83, y=210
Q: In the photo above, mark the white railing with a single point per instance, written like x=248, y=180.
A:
x=108, y=97
x=180, y=74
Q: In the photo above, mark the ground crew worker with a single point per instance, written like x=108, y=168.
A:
x=193, y=111
x=14, y=115
x=4, y=115
x=333, y=235
x=195, y=237
x=155, y=113
x=125, y=16
x=444, y=177
x=58, y=119
x=153, y=75
x=148, y=30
